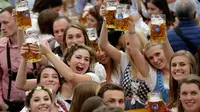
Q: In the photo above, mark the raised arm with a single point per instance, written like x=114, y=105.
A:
x=21, y=81
x=104, y=43
x=168, y=51
x=135, y=50
x=62, y=68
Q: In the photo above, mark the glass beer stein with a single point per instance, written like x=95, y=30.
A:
x=155, y=103
x=33, y=39
x=92, y=34
x=158, y=28
x=23, y=14
x=110, y=14
x=122, y=17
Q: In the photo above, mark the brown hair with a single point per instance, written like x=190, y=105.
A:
x=191, y=79
x=109, y=86
x=80, y=27
x=82, y=92
x=173, y=84
x=45, y=21
x=108, y=109
x=92, y=103
x=94, y=11
x=30, y=93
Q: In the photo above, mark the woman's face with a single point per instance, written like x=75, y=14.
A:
x=152, y=9
x=91, y=21
x=80, y=61
x=180, y=67
x=40, y=102
x=49, y=78
x=74, y=36
x=190, y=97
x=156, y=57
x=102, y=57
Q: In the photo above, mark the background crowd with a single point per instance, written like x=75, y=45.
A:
x=114, y=73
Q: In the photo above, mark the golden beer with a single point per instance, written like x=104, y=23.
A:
x=110, y=14
x=23, y=15
x=122, y=17
x=155, y=103
x=110, y=18
x=156, y=106
x=83, y=18
x=32, y=57
x=122, y=25
x=158, y=30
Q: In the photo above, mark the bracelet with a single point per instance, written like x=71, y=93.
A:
x=131, y=32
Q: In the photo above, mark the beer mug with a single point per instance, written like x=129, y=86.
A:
x=23, y=15
x=122, y=17
x=158, y=28
x=155, y=103
x=92, y=34
x=33, y=39
x=110, y=14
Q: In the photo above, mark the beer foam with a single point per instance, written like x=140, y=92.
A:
x=111, y=8
x=154, y=99
x=21, y=8
x=31, y=40
x=157, y=21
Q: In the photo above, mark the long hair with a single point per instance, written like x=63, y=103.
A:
x=173, y=84
x=162, y=5
x=82, y=92
x=191, y=79
x=80, y=27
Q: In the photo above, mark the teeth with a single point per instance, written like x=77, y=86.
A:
x=179, y=73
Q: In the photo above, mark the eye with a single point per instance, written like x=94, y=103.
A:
x=150, y=58
x=182, y=64
x=121, y=101
x=87, y=59
x=78, y=36
x=36, y=100
x=45, y=76
x=184, y=93
x=46, y=98
x=157, y=54
x=55, y=76
x=78, y=57
x=193, y=93
x=111, y=101
x=69, y=36
x=173, y=64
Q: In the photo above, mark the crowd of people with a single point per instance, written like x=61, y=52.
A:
x=114, y=73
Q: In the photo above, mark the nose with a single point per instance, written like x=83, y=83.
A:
x=82, y=61
x=2, y=27
x=177, y=67
x=189, y=97
x=60, y=34
x=155, y=59
x=50, y=78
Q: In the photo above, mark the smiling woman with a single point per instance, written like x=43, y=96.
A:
x=182, y=64
x=39, y=99
x=189, y=93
